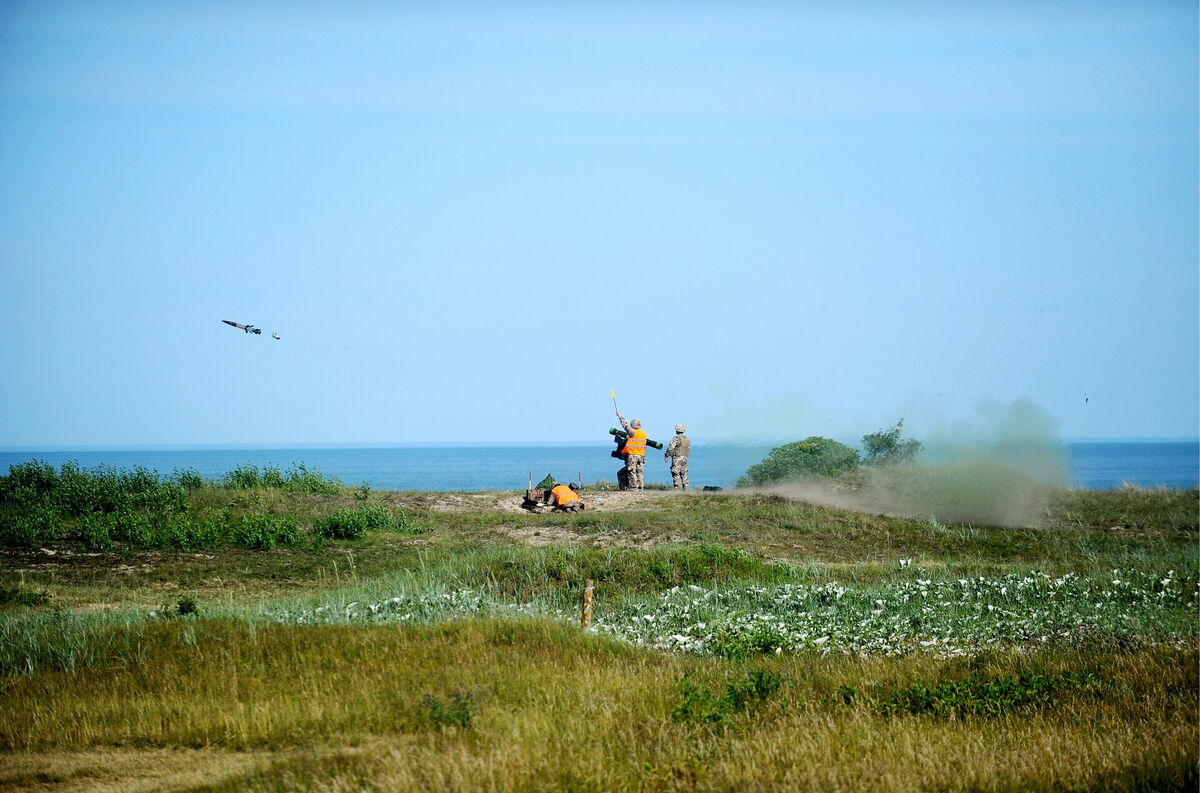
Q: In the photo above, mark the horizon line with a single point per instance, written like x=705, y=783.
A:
x=334, y=445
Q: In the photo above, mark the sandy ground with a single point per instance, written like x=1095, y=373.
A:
x=537, y=533
x=508, y=501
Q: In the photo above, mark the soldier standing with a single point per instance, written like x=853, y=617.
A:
x=635, y=453
x=677, y=451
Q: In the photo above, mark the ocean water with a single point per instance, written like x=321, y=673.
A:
x=1093, y=464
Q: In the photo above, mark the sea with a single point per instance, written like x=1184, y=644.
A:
x=1093, y=464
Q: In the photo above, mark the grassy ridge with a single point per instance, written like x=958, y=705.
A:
x=821, y=649
x=105, y=507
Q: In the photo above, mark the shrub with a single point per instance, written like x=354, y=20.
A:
x=700, y=704
x=377, y=516
x=187, y=606
x=81, y=491
x=885, y=447
x=697, y=703
x=300, y=479
x=352, y=524
x=133, y=528
x=303, y=479
x=260, y=532
x=95, y=530
x=36, y=475
x=29, y=527
x=456, y=711
x=15, y=596
x=244, y=477
x=345, y=524
x=756, y=687
x=189, y=478
x=978, y=696
x=814, y=456
x=271, y=477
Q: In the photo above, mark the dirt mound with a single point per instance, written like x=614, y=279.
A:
x=510, y=500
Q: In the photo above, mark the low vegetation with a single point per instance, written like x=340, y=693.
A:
x=258, y=633
x=105, y=509
x=825, y=458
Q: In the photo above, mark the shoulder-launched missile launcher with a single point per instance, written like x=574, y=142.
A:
x=620, y=436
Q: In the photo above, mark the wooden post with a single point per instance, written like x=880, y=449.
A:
x=587, y=605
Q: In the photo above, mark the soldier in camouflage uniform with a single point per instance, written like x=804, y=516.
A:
x=677, y=451
x=635, y=455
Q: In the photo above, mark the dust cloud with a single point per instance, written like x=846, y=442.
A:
x=999, y=468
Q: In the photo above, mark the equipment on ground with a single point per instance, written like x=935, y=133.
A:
x=538, y=496
x=535, y=496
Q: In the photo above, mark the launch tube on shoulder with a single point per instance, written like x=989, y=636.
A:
x=620, y=436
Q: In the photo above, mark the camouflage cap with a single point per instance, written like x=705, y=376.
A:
x=635, y=424
x=680, y=428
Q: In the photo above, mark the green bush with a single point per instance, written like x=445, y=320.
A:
x=35, y=475
x=29, y=526
x=189, y=478
x=303, y=479
x=978, y=696
x=74, y=491
x=261, y=532
x=300, y=479
x=15, y=596
x=456, y=711
x=81, y=491
x=756, y=687
x=244, y=477
x=95, y=530
x=814, y=456
x=134, y=528
x=703, y=705
x=885, y=447
x=345, y=524
x=141, y=530
x=353, y=524
x=377, y=516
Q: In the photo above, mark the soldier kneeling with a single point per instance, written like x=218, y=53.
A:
x=565, y=498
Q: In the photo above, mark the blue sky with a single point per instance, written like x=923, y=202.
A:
x=469, y=222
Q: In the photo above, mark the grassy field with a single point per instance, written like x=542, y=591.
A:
x=742, y=641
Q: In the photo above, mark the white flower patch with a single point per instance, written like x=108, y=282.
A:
x=950, y=618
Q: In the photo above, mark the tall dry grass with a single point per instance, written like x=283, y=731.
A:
x=347, y=708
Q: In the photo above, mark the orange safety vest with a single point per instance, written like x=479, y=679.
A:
x=635, y=443
x=563, y=495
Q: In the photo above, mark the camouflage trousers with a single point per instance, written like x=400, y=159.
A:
x=630, y=477
x=679, y=472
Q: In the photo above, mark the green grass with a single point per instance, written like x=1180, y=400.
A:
x=330, y=638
